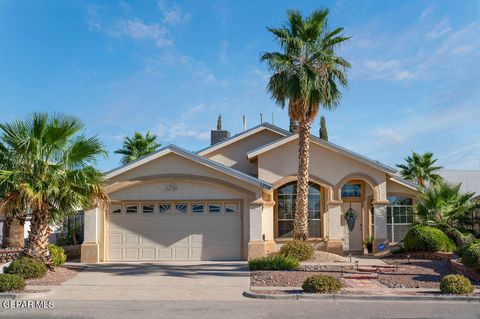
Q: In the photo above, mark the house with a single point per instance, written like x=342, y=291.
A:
x=234, y=200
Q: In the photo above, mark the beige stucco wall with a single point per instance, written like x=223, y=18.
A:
x=235, y=154
x=396, y=188
x=329, y=166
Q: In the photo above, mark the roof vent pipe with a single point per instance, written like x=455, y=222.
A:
x=261, y=118
x=244, y=123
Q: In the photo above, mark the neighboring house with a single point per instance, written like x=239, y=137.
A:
x=470, y=180
x=235, y=200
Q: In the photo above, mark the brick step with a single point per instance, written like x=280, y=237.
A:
x=361, y=276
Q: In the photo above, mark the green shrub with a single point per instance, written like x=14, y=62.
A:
x=58, y=255
x=462, y=249
x=278, y=262
x=426, y=238
x=297, y=249
x=456, y=285
x=471, y=255
x=9, y=282
x=27, y=268
x=322, y=284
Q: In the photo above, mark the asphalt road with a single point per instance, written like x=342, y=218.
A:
x=250, y=309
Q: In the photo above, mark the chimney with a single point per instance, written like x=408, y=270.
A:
x=218, y=135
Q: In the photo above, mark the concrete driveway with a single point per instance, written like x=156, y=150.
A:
x=157, y=281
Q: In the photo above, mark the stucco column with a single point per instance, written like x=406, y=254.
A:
x=334, y=232
x=256, y=246
x=380, y=225
x=90, y=246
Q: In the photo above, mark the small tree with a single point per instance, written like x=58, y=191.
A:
x=137, y=146
x=219, y=122
x=323, y=129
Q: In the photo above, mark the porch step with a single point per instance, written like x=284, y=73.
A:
x=361, y=276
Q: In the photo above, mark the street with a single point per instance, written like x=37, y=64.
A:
x=249, y=308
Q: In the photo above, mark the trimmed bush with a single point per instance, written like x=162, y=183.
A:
x=456, y=285
x=297, y=249
x=278, y=262
x=9, y=282
x=471, y=255
x=58, y=255
x=322, y=284
x=27, y=268
x=426, y=238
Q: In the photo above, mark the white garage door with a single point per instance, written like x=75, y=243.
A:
x=174, y=231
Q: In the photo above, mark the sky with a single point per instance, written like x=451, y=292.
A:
x=171, y=67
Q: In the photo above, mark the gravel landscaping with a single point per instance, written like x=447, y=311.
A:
x=419, y=273
x=324, y=257
x=54, y=277
x=285, y=278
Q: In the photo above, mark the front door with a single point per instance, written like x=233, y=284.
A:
x=352, y=240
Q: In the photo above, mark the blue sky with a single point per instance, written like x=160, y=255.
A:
x=172, y=67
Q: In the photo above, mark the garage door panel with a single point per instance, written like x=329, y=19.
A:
x=140, y=236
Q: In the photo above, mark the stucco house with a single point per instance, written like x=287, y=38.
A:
x=234, y=200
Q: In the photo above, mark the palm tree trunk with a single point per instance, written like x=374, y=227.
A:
x=38, y=235
x=6, y=230
x=300, y=225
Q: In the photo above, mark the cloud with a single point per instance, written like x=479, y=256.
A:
x=138, y=30
x=441, y=28
x=173, y=14
x=389, y=136
x=389, y=69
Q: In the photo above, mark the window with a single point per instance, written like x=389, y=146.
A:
x=181, y=209
x=164, y=208
x=132, y=209
x=352, y=190
x=198, y=208
x=214, y=208
x=116, y=209
x=399, y=217
x=231, y=208
x=286, y=196
x=148, y=208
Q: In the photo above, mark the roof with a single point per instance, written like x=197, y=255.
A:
x=333, y=147
x=470, y=179
x=193, y=157
x=242, y=135
x=404, y=182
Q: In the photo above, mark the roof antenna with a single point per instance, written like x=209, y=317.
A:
x=261, y=118
x=244, y=123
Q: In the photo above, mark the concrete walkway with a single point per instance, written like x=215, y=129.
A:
x=157, y=281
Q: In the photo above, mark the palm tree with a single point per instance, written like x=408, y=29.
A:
x=323, y=133
x=137, y=146
x=443, y=206
x=419, y=169
x=52, y=172
x=306, y=74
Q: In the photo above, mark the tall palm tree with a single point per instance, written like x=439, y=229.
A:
x=137, y=146
x=306, y=74
x=442, y=205
x=52, y=172
x=419, y=169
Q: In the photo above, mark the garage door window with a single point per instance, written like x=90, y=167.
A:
x=116, y=209
x=164, y=209
x=181, y=209
x=132, y=209
x=214, y=208
x=231, y=208
x=198, y=208
x=148, y=208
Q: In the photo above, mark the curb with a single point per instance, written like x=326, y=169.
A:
x=24, y=295
x=333, y=297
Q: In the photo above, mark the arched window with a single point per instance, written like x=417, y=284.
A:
x=286, y=196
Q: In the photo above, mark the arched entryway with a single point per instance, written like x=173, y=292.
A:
x=285, y=197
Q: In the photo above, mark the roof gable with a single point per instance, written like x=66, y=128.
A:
x=242, y=135
x=193, y=157
x=333, y=147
